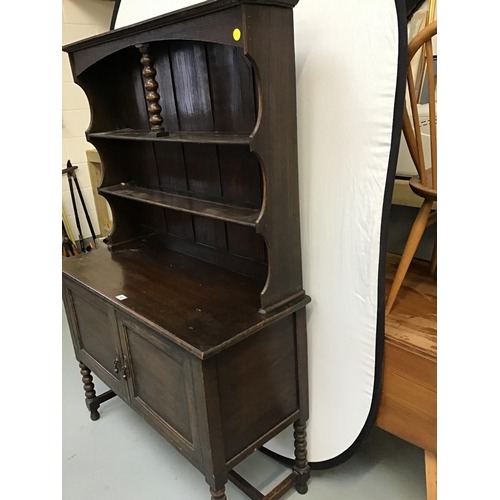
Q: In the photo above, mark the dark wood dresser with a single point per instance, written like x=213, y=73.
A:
x=195, y=313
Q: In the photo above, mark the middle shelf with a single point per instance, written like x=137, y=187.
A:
x=229, y=213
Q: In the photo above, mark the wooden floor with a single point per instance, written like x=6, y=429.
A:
x=408, y=404
x=412, y=321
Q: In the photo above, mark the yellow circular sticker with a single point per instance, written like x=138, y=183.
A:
x=236, y=34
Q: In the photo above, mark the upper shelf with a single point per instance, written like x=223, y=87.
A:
x=181, y=137
x=229, y=213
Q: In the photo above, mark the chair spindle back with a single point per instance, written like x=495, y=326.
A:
x=413, y=133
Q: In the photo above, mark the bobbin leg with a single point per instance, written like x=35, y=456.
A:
x=90, y=395
x=301, y=467
x=219, y=494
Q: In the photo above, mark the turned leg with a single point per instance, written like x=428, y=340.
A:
x=219, y=494
x=301, y=467
x=90, y=395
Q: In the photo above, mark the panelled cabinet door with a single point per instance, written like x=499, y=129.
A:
x=160, y=384
x=95, y=336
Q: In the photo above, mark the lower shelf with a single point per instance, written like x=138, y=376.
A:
x=229, y=213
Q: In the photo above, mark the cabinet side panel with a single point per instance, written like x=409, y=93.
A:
x=257, y=385
x=275, y=143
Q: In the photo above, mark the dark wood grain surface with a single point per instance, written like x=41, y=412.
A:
x=267, y=397
x=206, y=388
x=217, y=28
x=207, y=94
x=275, y=143
x=181, y=137
x=194, y=11
x=200, y=306
x=196, y=315
x=95, y=330
x=159, y=381
x=95, y=337
x=160, y=384
x=230, y=213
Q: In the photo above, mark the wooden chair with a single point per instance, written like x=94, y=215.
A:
x=425, y=183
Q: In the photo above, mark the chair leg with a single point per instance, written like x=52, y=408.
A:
x=434, y=258
x=431, y=475
x=414, y=238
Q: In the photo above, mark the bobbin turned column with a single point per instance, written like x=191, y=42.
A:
x=301, y=467
x=151, y=86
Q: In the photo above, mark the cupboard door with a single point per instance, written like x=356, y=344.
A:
x=95, y=336
x=160, y=384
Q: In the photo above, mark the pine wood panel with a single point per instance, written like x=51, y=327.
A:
x=408, y=406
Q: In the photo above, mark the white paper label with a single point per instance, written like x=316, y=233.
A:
x=121, y=297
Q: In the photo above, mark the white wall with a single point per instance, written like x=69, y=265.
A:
x=80, y=19
x=133, y=11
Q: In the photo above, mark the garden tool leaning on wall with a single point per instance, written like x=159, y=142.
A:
x=70, y=171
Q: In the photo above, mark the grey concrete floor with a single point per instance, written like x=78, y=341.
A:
x=120, y=457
